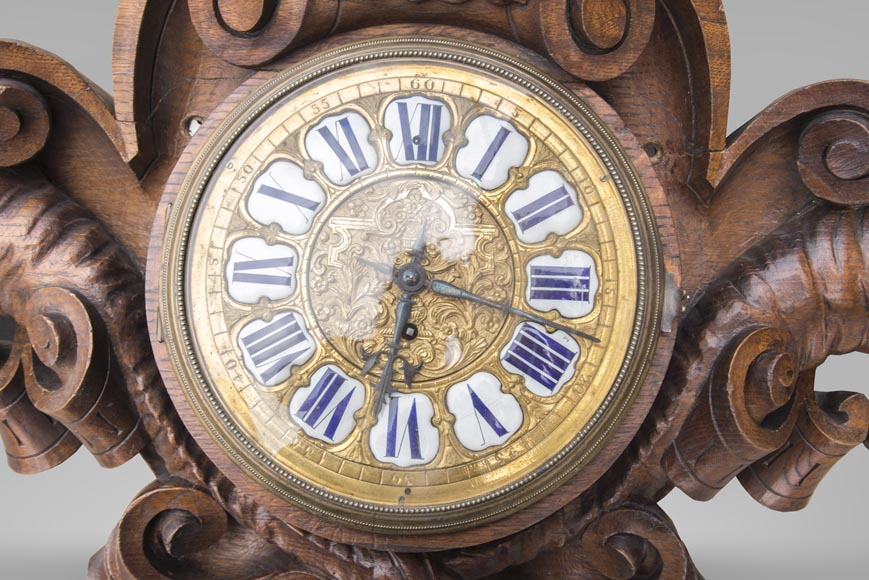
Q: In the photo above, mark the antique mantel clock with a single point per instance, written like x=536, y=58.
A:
x=429, y=289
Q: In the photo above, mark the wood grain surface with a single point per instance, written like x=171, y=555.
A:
x=763, y=233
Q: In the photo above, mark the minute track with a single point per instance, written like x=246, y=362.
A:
x=372, y=304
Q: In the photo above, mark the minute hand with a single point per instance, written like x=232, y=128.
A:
x=447, y=289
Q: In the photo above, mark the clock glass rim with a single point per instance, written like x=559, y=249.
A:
x=242, y=121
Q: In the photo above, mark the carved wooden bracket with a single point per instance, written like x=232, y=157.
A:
x=771, y=226
x=748, y=349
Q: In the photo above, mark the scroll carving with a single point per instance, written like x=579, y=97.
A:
x=834, y=157
x=779, y=310
x=830, y=425
x=637, y=542
x=254, y=33
x=831, y=120
x=24, y=123
x=598, y=40
x=34, y=442
x=161, y=525
x=71, y=375
x=747, y=410
x=627, y=541
x=62, y=380
x=178, y=531
x=610, y=35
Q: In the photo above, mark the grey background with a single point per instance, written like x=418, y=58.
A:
x=51, y=523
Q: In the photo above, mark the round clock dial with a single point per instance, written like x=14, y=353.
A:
x=410, y=286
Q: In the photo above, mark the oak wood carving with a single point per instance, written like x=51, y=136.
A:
x=770, y=224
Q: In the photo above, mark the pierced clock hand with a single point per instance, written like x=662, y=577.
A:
x=377, y=267
x=411, y=278
x=447, y=289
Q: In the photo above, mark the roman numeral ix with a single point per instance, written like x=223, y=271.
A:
x=246, y=271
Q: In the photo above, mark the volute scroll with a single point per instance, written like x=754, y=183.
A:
x=833, y=157
x=768, y=321
x=24, y=123
x=610, y=35
x=71, y=375
x=771, y=227
x=829, y=426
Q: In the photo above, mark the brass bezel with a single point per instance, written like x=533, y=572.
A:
x=474, y=510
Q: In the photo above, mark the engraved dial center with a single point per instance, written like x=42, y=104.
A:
x=379, y=223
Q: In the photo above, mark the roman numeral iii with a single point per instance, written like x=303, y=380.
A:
x=567, y=283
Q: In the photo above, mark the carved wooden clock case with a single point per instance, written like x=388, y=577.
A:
x=425, y=289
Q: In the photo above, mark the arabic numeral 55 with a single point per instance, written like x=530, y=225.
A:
x=320, y=106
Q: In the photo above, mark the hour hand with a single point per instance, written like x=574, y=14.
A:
x=451, y=291
x=377, y=266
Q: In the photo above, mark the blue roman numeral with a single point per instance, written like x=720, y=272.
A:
x=274, y=346
x=318, y=405
x=560, y=283
x=353, y=166
x=288, y=197
x=491, y=152
x=539, y=356
x=410, y=430
x=486, y=413
x=543, y=208
x=427, y=139
x=241, y=271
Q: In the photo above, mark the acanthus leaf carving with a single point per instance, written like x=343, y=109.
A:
x=66, y=283
x=779, y=311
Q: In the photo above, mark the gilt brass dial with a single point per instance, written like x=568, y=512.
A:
x=409, y=286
